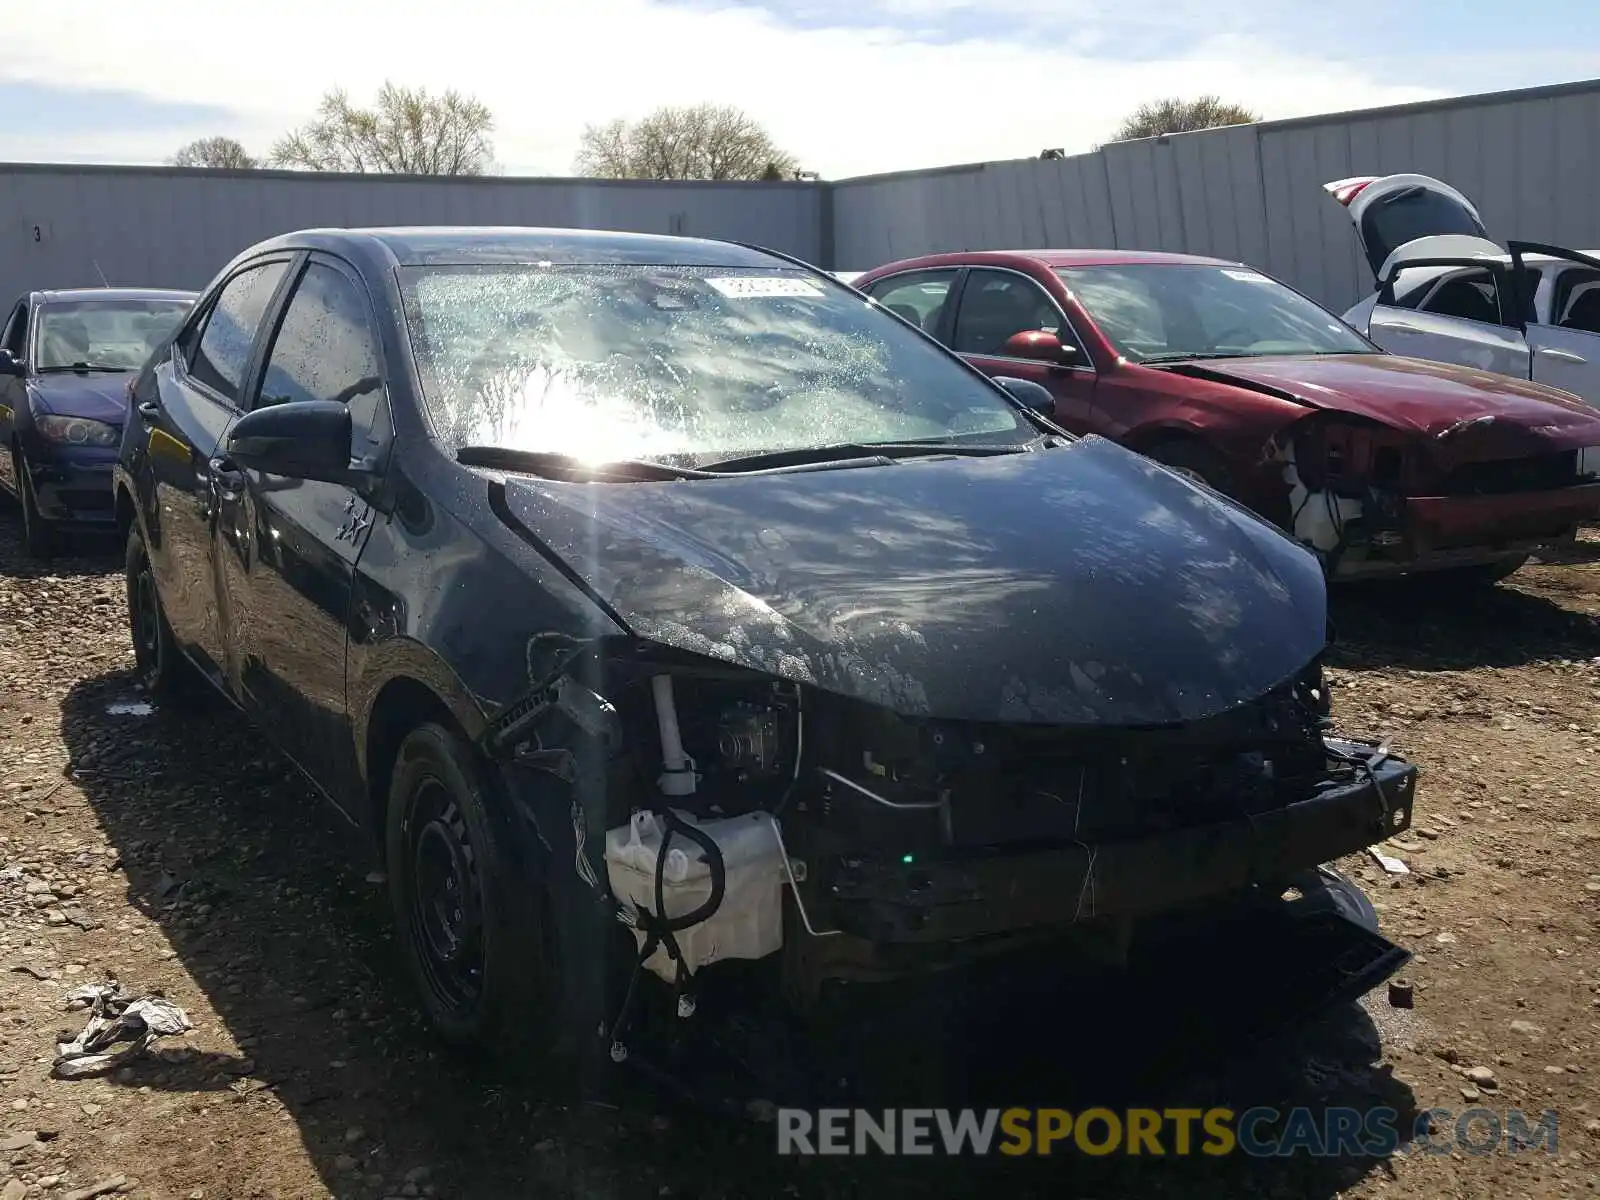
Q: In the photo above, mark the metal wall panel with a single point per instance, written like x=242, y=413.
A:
x=162, y=227
x=1252, y=192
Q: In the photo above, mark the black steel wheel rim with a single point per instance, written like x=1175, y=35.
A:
x=446, y=901
x=144, y=613
x=24, y=492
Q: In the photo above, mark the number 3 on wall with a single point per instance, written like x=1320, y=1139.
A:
x=37, y=236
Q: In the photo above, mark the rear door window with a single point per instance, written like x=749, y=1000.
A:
x=1470, y=296
x=222, y=356
x=1576, y=303
x=919, y=297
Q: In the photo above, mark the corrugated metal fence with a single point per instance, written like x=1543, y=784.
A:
x=163, y=227
x=1528, y=159
x=1254, y=193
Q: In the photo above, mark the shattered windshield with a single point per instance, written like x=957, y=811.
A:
x=111, y=335
x=1163, y=312
x=684, y=363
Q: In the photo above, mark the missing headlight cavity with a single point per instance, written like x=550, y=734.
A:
x=761, y=840
x=1346, y=482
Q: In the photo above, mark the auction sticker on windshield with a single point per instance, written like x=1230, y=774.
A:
x=758, y=287
x=1246, y=276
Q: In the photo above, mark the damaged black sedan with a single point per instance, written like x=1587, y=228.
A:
x=692, y=635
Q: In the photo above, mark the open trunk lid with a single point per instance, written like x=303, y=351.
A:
x=1389, y=211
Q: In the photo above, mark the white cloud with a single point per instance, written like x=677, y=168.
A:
x=845, y=101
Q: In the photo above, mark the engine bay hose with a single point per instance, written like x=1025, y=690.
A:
x=659, y=921
x=658, y=928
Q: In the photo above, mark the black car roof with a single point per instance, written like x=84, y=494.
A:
x=59, y=295
x=432, y=245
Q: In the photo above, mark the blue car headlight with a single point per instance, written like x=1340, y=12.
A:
x=76, y=431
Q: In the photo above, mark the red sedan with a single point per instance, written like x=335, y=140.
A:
x=1383, y=464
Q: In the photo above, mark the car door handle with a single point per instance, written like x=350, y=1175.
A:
x=149, y=411
x=1562, y=355
x=227, y=479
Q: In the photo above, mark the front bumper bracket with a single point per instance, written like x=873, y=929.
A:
x=888, y=900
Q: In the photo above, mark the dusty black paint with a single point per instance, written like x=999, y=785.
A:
x=1080, y=585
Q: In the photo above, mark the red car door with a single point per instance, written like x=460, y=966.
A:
x=995, y=305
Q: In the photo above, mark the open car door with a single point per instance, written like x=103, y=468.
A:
x=1451, y=298
x=1446, y=292
x=1565, y=340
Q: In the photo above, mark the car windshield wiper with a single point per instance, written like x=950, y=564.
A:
x=1157, y=359
x=552, y=464
x=856, y=454
x=62, y=368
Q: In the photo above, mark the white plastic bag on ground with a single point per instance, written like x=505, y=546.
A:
x=116, y=1018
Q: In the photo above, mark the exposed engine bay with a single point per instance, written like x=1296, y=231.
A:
x=1370, y=498
x=772, y=840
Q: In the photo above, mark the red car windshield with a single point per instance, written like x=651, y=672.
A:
x=1165, y=312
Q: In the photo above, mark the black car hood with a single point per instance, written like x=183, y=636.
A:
x=100, y=397
x=1083, y=585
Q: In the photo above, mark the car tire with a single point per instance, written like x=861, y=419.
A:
x=1196, y=461
x=159, y=665
x=38, y=538
x=467, y=917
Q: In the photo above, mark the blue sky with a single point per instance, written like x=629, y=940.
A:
x=850, y=86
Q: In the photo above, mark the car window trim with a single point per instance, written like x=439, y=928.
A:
x=253, y=360
x=1088, y=367
x=30, y=334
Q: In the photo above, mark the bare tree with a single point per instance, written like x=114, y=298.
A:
x=705, y=141
x=1174, y=115
x=407, y=132
x=222, y=152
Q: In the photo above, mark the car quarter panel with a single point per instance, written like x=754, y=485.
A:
x=451, y=598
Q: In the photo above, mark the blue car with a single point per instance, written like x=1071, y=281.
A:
x=65, y=361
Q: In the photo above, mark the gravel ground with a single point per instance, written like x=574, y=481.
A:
x=174, y=852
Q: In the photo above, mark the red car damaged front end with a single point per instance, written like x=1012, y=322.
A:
x=1383, y=464
x=1402, y=465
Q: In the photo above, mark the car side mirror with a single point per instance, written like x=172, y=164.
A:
x=301, y=439
x=11, y=365
x=1040, y=345
x=1035, y=397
